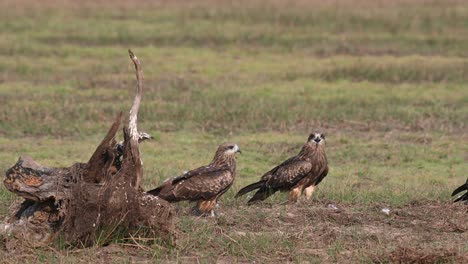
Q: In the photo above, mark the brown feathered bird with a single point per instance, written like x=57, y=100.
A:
x=297, y=174
x=204, y=184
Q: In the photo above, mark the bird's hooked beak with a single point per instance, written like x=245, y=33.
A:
x=237, y=149
x=316, y=138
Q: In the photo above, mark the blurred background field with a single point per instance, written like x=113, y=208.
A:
x=386, y=82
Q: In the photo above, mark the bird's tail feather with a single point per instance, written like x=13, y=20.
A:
x=250, y=188
x=261, y=195
x=155, y=192
x=165, y=192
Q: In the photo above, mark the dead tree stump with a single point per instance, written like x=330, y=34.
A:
x=79, y=202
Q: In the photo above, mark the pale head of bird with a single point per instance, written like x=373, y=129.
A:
x=229, y=148
x=225, y=152
x=144, y=136
x=316, y=139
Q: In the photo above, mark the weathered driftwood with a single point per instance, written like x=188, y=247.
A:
x=80, y=201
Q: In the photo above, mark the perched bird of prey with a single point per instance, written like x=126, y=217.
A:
x=297, y=174
x=463, y=197
x=205, y=184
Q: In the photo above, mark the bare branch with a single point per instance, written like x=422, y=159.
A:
x=132, y=122
x=132, y=145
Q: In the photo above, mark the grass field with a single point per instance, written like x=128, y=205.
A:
x=386, y=82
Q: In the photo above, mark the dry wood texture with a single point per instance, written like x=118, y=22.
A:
x=80, y=201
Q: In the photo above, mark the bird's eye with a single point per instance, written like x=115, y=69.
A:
x=322, y=135
x=231, y=147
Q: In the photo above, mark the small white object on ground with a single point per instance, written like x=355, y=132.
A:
x=332, y=206
x=5, y=229
x=386, y=211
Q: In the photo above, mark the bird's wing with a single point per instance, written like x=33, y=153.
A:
x=463, y=197
x=320, y=176
x=198, y=171
x=203, y=185
x=460, y=189
x=271, y=172
x=288, y=173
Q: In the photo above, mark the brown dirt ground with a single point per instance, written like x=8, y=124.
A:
x=420, y=232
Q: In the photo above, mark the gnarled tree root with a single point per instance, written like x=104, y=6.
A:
x=79, y=202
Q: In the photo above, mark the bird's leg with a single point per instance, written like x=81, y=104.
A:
x=309, y=191
x=213, y=204
x=294, y=194
x=206, y=208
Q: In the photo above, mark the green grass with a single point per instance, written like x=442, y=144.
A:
x=385, y=82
